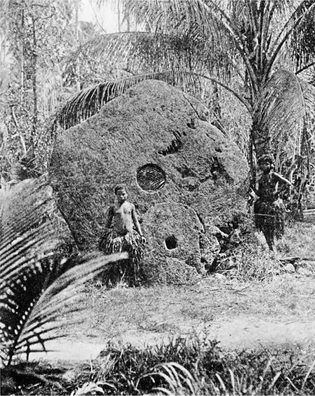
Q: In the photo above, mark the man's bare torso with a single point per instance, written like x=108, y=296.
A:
x=122, y=218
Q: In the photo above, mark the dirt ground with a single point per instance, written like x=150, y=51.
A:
x=239, y=323
x=278, y=312
x=243, y=332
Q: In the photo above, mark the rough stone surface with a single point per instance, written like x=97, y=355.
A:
x=184, y=176
x=177, y=234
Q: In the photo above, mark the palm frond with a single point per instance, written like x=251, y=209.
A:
x=186, y=49
x=90, y=100
x=37, y=280
x=301, y=43
x=104, y=57
x=296, y=32
x=285, y=105
x=113, y=44
x=36, y=305
x=185, y=36
x=206, y=25
x=214, y=21
x=25, y=227
x=190, y=50
x=167, y=14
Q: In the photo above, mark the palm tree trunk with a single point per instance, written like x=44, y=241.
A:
x=259, y=134
x=251, y=161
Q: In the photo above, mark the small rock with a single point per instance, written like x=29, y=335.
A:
x=220, y=277
x=69, y=376
x=289, y=268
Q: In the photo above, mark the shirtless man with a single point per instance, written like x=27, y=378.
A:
x=269, y=208
x=122, y=216
x=123, y=234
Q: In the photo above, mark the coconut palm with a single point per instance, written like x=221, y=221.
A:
x=255, y=49
x=39, y=283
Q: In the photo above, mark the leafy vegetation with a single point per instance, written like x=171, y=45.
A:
x=253, y=49
x=200, y=367
x=193, y=367
x=36, y=37
x=257, y=51
x=188, y=364
x=38, y=278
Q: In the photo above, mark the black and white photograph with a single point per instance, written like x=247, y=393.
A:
x=157, y=197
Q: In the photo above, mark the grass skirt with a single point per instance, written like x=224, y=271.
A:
x=269, y=218
x=128, y=270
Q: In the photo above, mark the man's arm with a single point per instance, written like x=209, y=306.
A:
x=136, y=222
x=282, y=179
x=109, y=217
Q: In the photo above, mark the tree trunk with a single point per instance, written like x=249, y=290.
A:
x=260, y=135
x=22, y=57
x=77, y=65
x=34, y=84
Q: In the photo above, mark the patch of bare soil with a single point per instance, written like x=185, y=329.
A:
x=275, y=314
x=243, y=332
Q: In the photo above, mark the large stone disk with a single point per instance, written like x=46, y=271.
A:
x=157, y=141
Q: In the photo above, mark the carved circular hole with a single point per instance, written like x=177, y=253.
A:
x=171, y=242
x=151, y=177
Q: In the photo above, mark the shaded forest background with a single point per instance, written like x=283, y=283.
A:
x=37, y=75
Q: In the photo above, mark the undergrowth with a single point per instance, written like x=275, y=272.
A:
x=253, y=264
x=250, y=261
x=184, y=366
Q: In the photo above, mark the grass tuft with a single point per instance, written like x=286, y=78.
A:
x=197, y=367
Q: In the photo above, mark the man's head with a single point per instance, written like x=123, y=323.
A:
x=265, y=162
x=121, y=192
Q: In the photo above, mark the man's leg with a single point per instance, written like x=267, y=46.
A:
x=135, y=250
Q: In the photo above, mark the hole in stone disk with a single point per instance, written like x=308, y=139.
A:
x=171, y=242
x=151, y=177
